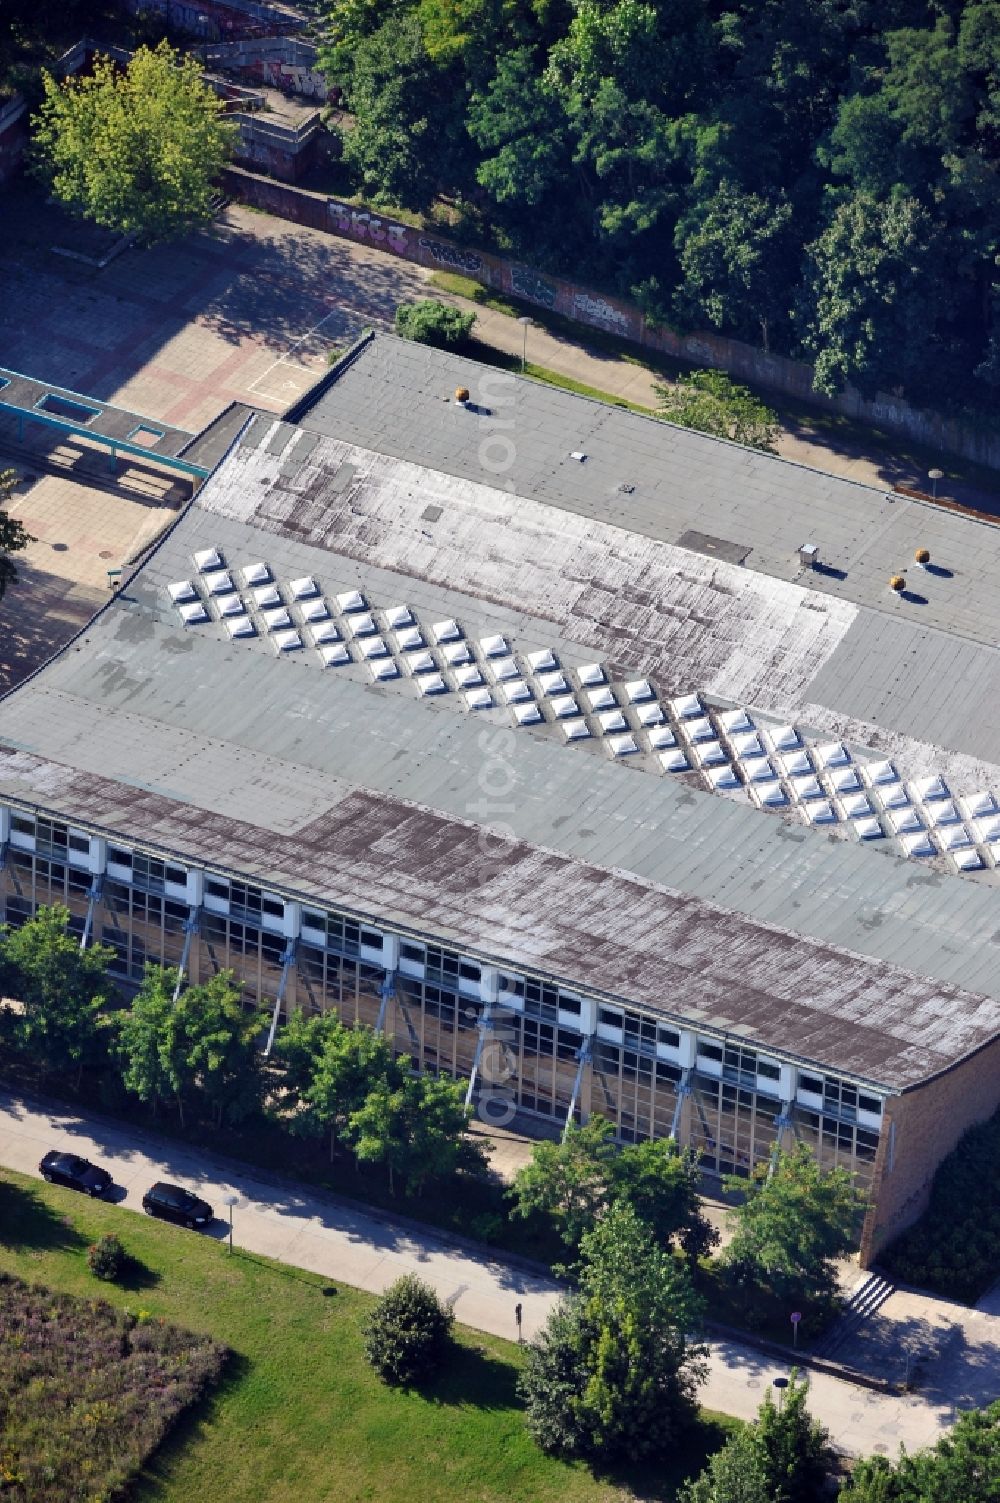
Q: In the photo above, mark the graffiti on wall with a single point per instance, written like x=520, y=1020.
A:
x=451, y=255
x=527, y=283
x=366, y=226
x=597, y=310
x=305, y=83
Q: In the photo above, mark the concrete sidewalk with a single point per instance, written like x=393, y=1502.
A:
x=369, y=1250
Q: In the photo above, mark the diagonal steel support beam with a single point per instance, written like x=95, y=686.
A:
x=584, y=1055
x=287, y=961
x=485, y=1026
x=386, y=993
x=93, y=897
x=191, y=926
x=683, y=1090
x=784, y=1122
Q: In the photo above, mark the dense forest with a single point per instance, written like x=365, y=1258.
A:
x=819, y=177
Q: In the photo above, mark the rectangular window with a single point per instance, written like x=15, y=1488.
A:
x=709, y=1051
x=273, y=907
x=811, y=1083
x=512, y=985
x=668, y=1036
x=610, y=1018
x=22, y=824
x=120, y=856
x=80, y=844
x=175, y=874
x=870, y=1104
x=767, y=1070
x=469, y=970
x=570, y=1004
x=371, y=938
x=413, y=953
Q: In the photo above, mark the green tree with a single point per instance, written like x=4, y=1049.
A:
x=710, y=402
x=738, y=258
x=784, y=1457
x=430, y=322
x=14, y=536
x=794, y=1221
x=62, y=989
x=138, y=150
x=518, y=123
x=330, y=1069
x=408, y=1333
x=570, y=1181
x=416, y=1128
x=615, y=1370
x=963, y=1466
x=201, y=1050
x=659, y=1180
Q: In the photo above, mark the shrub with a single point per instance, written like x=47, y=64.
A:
x=431, y=322
x=106, y=1258
x=408, y=1333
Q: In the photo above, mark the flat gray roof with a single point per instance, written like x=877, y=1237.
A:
x=615, y=878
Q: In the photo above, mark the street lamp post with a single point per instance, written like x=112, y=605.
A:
x=525, y=323
x=934, y=476
x=780, y=1384
x=230, y=1201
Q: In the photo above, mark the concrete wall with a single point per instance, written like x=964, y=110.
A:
x=283, y=63
x=221, y=19
x=791, y=378
x=926, y=1124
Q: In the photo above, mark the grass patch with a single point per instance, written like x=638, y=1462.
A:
x=299, y=1417
x=89, y=1391
x=476, y=350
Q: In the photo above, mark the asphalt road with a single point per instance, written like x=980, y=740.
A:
x=295, y=1225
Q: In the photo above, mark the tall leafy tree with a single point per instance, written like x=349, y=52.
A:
x=569, y=1181
x=963, y=1465
x=784, y=1457
x=14, y=536
x=62, y=990
x=738, y=260
x=794, y=1221
x=416, y=1129
x=138, y=150
x=711, y=402
x=141, y=1033
x=615, y=1370
x=330, y=1069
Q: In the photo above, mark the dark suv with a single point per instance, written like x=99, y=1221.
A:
x=77, y=1173
x=172, y=1203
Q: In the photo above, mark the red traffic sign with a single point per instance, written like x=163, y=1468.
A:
x=795, y=1317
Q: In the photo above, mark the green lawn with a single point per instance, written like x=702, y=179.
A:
x=300, y=1417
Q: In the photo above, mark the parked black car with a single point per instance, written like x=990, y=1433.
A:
x=79, y=1174
x=173, y=1203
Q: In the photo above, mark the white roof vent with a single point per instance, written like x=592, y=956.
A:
x=621, y=746
x=240, y=626
x=397, y=616
x=710, y=754
x=408, y=638
x=456, y=652
x=267, y=595
x=420, y=662
x=539, y=662
x=255, y=574
x=229, y=605
x=332, y=654
x=649, y=714
x=479, y=699
x=181, y=591
x=324, y=631
x=515, y=691
x=575, y=730
x=277, y=619
x=219, y=583
x=527, y=714
x=209, y=558
x=783, y=738
x=504, y=668
x=494, y=647
x=468, y=677
x=734, y=721
x=686, y=706
x=612, y=720
x=930, y=788
x=723, y=777
x=382, y=669
x=287, y=641
x=314, y=610
x=552, y=683
x=590, y=674
x=674, y=760
x=431, y=683
x=637, y=691
x=578, y=455
x=362, y=624
x=446, y=631
x=868, y=828
x=661, y=736
x=351, y=600
x=373, y=647
x=564, y=705
x=301, y=589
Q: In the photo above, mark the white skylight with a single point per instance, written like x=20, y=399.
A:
x=552, y=683
x=600, y=699
x=541, y=662
x=314, y=610
x=769, y=793
x=831, y=754
x=575, y=730
x=974, y=805
x=564, y=705
x=917, y=844
x=820, y=812
x=456, y=652
x=468, y=676
x=398, y=615
x=988, y=828
x=408, y=638
x=277, y=619
x=904, y=819
x=351, y=600
x=673, y=760
x=504, y=668
x=446, y=631
x=700, y=730
x=927, y=789
x=967, y=860
x=362, y=624
x=612, y=720
x=301, y=589
x=795, y=764
x=649, y=714
x=747, y=746
x=759, y=770
x=722, y=777
x=621, y=746
x=843, y=779
x=941, y=812
x=324, y=631
x=287, y=641
x=420, y=662
x=256, y=574
x=660, y=736
x=876, y=774
x=590, y=674
x=855, y=806
x=240, y=626
x=893, y=795
x=806, y=787
x=527, y=714
x=267, y=595
x=637, y=691
x=734, y=721
x=382, y=669
x=494, y=647
x=207, y=559
x=686, y=706
x=333, y=654
x=431, y=683
x=783, y=738
x=515, y=690
x=953, y=837
x=868, y=828
x=181, y=591
x=219, y=583
x=478, y=699
x=373, y=647
x=709, y=754
x=229, y=605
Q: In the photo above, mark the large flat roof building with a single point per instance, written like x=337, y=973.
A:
x=520, y=729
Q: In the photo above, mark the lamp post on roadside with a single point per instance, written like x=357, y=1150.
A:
x=230, y=1201
x=525, y=323
x=780, y=1384
x=934, y=476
